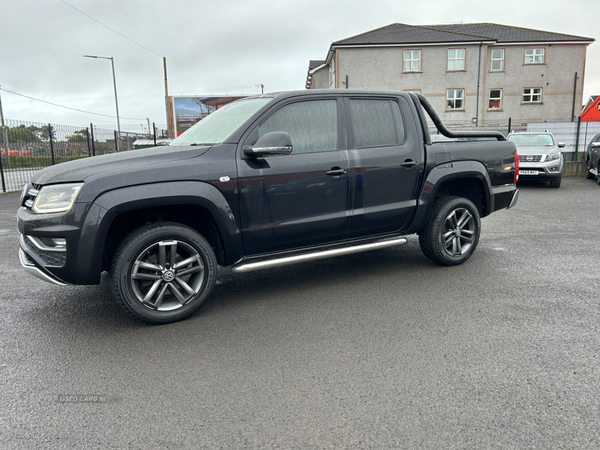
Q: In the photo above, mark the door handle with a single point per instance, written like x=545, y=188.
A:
x=408, y=164
x=336, y=171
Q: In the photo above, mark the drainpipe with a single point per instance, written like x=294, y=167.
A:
x=478, y=78
x=574, y=97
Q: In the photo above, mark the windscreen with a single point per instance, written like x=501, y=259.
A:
x=532, y=140
x=221, y=124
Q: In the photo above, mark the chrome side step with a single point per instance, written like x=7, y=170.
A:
x=242, y=267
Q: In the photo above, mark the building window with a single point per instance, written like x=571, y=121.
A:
x=497, y=60
x=534, y=56
x=455, y=99
x=456, y=59
x=532, y=95
x=412, y=61
x=495, y=101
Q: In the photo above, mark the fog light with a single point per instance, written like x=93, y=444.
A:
x=553, y=169
x=53, y=243
x=59, y=242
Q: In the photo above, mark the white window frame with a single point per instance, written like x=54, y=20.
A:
x=456, y=59
x=490, y=99
x=497, y=59
x=411, y=60
x=531, y=94
x=535, y=54
x=455, y=98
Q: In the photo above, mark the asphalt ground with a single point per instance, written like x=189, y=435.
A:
x=376, y=350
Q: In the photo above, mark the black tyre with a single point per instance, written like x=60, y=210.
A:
x=598, y=178
x=452, y=232
x=163, y=272
x=589, y=175
x=556, y=183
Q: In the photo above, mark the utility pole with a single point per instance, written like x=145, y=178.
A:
x=167, y=105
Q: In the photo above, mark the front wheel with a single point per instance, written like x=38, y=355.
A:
x=163, y=272
x=556, y=183
x=452, y=231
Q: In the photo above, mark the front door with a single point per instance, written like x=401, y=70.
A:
x=300, y=199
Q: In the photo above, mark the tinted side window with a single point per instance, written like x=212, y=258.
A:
x=376, y=123
x=311, y=124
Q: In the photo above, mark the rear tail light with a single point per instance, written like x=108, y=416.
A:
x=516, y=176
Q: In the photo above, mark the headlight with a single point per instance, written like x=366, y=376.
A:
x=56, y=198
x=552, y=157
x=23, y=193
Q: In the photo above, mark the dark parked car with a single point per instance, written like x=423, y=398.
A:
x=264, y=181
x=592, y=158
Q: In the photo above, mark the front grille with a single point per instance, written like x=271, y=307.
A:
x=31, y=195
x=534, y=158
x=50, y=258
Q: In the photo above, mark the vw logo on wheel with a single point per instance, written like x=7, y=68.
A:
x=169, y=275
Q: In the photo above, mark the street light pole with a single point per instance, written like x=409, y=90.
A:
x=112, y=62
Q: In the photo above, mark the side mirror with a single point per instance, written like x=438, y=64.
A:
x=596, y=144
x=561, y=145
x=271, y=144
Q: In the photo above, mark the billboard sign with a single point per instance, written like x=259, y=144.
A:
x=189, y=110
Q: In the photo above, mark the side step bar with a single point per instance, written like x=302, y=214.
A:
x=242, y=267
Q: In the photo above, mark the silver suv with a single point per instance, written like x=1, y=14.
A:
x=540, y=158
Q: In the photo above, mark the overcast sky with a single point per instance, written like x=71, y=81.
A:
x=216, y=47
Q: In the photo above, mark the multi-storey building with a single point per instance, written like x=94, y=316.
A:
x=479, y=73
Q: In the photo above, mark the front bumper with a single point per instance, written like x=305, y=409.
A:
x=31, y=268
x=68, y=264
x=536, y=171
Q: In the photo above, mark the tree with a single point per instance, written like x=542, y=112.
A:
x=78, y=136
x=22, y=135
x=45, y=132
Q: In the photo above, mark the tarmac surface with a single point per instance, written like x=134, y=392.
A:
x=376, y=350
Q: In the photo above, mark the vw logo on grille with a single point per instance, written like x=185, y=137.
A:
x=530, y=158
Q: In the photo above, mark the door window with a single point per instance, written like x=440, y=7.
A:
x=376, y=123
x=311, y=124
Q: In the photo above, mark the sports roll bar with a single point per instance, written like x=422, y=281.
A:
x=421, y=101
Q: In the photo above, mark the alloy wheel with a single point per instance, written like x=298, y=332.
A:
x=167, y=275
x=458, y=232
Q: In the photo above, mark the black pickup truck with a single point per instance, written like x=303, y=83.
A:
x=264, y=181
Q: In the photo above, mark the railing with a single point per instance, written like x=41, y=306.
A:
x=27, y=147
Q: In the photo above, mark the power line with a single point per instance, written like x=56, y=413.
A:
x=66, y=107
x=111, y=29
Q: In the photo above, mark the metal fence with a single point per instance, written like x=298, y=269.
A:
x=575, y=136
x=27, y=147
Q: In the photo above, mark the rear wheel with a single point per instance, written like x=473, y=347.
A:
x=589, y=175
x=163, y=272
x=452, y=232
x=598, y=171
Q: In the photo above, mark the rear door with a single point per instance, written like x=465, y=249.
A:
x=386, y=162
